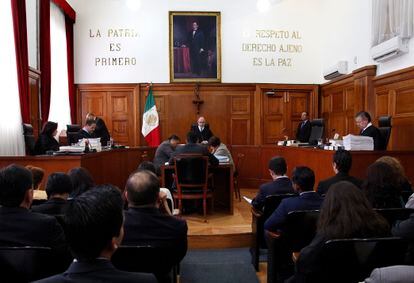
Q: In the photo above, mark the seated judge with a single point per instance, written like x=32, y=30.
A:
x=58, y=188
x=193, y=147
x=144, y=223
x=280, y=183
x=18, y=225
x=304, y=128
x=101, y=131
x=87, y=132
x=219, y=148
x=94, y=230
x=202, y=130
x=341, y=164
x=46, y=140
x=165, y=150
x=303, y=180
x=363, y=121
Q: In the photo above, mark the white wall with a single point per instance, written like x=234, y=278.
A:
x=239, y=21
x=347, y=36
x=331, y=30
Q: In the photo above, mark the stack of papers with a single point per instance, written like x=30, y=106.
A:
x=222, y=159
x=352, y=142
x=72, y=148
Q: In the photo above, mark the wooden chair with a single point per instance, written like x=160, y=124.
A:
x=239, y=165
x=352, y=260
x=258, y=220
x=26, y=264
x=191, y=180
x=160, y=261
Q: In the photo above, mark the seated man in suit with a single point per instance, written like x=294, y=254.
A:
x=219, y=148
x=165, y=150
x=304, y=128
x=94, y=230
x=58, y=188
x=19, y=226
x=144, y=223
x=303, y=180
x=202, y=130
x=363, y=121
x=280, y=183
x=193, y=147
x=341, y=164
x=87, y=132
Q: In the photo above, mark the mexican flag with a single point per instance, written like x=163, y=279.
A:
x=150, y=122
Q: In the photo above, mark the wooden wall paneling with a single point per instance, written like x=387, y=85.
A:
x=274, y=122
x=119, y=116
x=224, y=106
x=240, y=125
x=34, y=98
x=343, y=97
x=394, y=95
x=281, y=111
x=296, y=103
x=94, y=102
x=116, y=104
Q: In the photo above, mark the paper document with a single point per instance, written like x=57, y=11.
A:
x=249, y=200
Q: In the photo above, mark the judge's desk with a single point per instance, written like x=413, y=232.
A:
x=222, y=181
x=106, y=167
x=254, y=171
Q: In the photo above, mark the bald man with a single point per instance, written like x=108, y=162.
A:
x=202, y=130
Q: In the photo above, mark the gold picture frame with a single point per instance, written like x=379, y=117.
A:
x=195, y=46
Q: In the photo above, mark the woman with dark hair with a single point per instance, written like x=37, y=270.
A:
x=381, y=186
x=82, y=181
x=345, y=213
x=46, y=140
x=101, y=131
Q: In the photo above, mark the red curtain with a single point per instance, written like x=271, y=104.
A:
x=71, y=81
x=22, y=58
x=45, y=70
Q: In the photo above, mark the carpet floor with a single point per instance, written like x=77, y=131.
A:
x=218, y=266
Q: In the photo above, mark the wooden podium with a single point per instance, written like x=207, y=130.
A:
x=112, y=166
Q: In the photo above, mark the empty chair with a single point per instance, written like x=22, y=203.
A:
x=395, y=214
x=299, y=232
x=29, y=139
x=191, y=179
x=384, y=126
x=300, y=228
x=72, y=133
x=352, y=260
x=258, y=220
x=25, y=264
x=148, y=259
x=318, y=127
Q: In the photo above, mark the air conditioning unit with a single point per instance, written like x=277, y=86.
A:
x=389, y=49
x=339, y=69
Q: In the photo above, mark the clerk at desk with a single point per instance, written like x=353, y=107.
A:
x=363, y=121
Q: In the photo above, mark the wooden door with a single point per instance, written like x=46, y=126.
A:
x=274, y=121
x=296, y=103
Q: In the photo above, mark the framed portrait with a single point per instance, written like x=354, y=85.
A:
x=195, y=47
